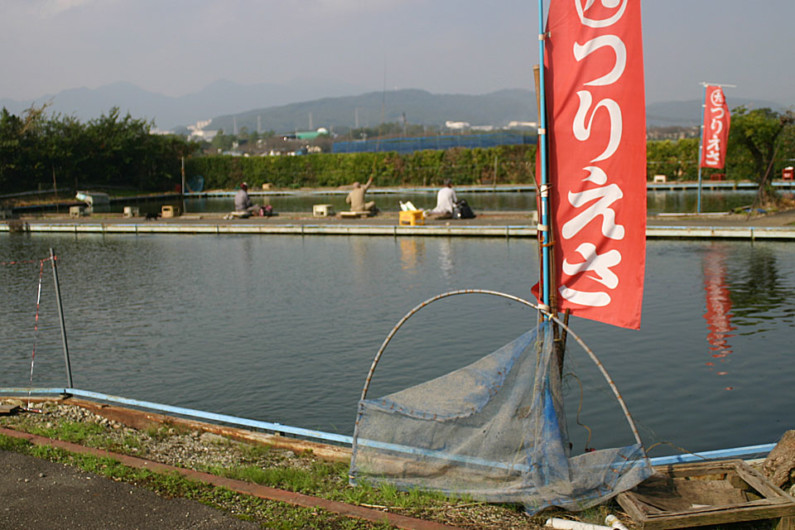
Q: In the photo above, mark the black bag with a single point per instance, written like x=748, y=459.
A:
x=461, y=210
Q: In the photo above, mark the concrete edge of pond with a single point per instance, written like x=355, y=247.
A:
x=779, y=226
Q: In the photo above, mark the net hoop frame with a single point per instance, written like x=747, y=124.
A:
x=522, y=301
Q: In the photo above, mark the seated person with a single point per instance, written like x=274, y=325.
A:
x=445, y=202
x=243, y=204
x=356, y=198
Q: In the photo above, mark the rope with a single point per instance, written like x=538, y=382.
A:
x=41, y=263
x=24, y=262
x=36, y=325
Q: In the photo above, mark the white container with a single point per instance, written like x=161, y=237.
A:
x=131, y=211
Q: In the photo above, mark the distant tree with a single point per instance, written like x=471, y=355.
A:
x=113, y=150
x=674, y=159
x=20, y=163
x=222, y=142
x=66, y=149
x=760, y=134
x=120, y=146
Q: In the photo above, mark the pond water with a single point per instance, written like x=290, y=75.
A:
x=284, y=328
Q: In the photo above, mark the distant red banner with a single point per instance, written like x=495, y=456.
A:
x=597, y=157
x=716, y=128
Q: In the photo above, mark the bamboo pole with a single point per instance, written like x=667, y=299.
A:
x=63, y=324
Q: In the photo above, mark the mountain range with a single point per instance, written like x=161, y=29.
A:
x=309, y=105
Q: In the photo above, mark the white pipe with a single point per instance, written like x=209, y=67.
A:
x=614, y=523
x=566, y=524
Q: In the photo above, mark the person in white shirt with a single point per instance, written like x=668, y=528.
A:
x=445, y=201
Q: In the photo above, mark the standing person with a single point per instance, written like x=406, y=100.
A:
x=243, y=201
x=356, y=198
x=445, y=202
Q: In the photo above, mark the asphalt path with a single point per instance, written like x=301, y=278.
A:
x=39, y=494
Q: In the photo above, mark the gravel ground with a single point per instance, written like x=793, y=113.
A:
x=203, y=451
x=168, y=445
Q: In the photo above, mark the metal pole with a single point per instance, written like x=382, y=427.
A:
x=63, y=325
x=701, y=145
x=544, y=180
x=182, y=189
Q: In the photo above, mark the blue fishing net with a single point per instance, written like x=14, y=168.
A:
x=494, y=431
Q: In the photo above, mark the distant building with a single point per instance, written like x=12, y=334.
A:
x=198, y=132
x=307, y=135
x=457, y=125
x=522, y=125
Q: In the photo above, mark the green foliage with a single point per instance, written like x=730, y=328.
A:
x=17, y=445
x=762, y=141
x=677, y=160
x=514, y=164
x=222, y=142
x=112, y=151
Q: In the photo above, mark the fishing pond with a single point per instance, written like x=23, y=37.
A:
x=284, y=328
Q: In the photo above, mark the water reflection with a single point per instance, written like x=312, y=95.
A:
x=758, y=292
x=412, y=253
x=446, y=258
x=719, y=307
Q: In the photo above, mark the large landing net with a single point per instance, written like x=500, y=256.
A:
x=493, y=431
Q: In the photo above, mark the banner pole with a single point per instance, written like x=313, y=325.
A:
x=701, y=144
x=544, y=216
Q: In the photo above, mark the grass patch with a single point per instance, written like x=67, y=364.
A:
x=76, y=432
x=287, y=478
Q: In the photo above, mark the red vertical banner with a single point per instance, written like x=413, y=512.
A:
x=597, y=157
x=716, y=128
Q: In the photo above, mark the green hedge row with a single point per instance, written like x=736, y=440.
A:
x=512, y=163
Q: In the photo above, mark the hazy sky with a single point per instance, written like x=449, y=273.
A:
x=176, y=47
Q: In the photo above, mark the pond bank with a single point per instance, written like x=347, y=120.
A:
x=488, y=224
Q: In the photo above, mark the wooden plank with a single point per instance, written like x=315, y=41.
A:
x=710, y=517
x=759, y=482
x=672, y=498
x=786, y=523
